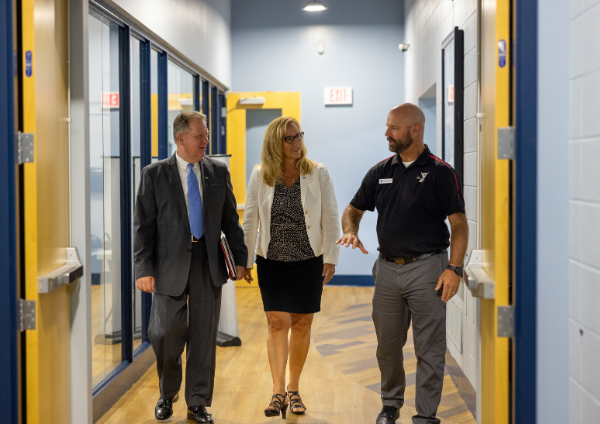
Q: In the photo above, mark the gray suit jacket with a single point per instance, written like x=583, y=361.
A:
x=162, y=238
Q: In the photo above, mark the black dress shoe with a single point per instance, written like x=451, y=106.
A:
x=164, y=408
x=199, y=414
x=388, y=415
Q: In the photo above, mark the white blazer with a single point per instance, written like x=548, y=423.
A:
x=321, y=214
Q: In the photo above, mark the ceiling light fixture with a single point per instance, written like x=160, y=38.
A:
x=314, y=6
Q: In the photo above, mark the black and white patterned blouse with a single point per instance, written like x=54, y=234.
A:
x=289, y=240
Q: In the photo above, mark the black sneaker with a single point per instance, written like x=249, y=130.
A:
x=388, y=415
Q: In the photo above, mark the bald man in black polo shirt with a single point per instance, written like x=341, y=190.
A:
x=414, y=192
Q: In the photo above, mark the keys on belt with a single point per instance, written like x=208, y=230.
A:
x=411, y=259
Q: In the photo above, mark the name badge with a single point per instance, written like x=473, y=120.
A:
x=386, y=180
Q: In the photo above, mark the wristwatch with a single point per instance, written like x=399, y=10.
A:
x=457, y=269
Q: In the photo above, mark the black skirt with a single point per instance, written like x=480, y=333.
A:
x=294, y=287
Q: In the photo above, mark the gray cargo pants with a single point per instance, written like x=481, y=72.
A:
x=402, y=293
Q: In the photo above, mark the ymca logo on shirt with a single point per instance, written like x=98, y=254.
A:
x=422, y=177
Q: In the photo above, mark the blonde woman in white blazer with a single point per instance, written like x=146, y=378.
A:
x=291, y=221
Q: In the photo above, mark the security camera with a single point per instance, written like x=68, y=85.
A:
x=403, y=47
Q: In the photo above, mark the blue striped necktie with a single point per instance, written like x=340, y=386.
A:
x=194, y=204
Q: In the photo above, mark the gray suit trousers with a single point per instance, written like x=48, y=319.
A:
x=192, y=318
x=404, y=293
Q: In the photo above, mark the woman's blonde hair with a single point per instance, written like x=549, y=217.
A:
x=272, y=152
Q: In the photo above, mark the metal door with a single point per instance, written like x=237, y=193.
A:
x=496, y=209
x=45, y=78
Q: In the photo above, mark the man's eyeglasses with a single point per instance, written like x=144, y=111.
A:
x=291, y=138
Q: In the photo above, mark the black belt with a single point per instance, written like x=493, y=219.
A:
x=404, y=261
x=195, y=240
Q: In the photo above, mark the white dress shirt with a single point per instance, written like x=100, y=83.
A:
x=182, y=167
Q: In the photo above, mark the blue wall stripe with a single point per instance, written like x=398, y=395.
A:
x=352, y=280
x=525, y=212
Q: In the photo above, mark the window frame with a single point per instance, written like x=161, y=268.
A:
x=107, y=391
x=456, y=37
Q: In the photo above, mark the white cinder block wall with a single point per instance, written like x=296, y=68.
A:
x=585, y=212
x=428, y=23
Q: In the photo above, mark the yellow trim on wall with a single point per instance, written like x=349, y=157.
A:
x=46, y=208
x=288, y=102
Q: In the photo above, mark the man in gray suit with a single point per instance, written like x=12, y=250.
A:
x=183, y=204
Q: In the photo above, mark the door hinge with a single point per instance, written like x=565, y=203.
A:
x=506, y=321
x=26, y=314
x=24, y=148
x=506, y=143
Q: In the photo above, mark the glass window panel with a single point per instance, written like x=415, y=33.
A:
x=136, y=170
x=154, y=100
x=105, y=216
x=181, y=97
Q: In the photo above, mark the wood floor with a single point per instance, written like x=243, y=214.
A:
x=348, y=341
x=339, y=382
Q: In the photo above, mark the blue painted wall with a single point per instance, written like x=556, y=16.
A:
x=275, y=48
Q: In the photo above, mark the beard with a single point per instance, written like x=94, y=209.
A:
x=399, y=146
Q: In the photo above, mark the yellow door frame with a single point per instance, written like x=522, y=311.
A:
x=288, y=102
x=46, y=208
x=495, y=219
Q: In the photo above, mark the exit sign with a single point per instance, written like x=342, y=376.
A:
x=110, y=100
x=338, y=96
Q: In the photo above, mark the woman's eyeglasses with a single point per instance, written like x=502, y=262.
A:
x=291, y=138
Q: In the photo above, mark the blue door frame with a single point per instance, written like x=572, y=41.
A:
x=9, y=384
x=163, y=105
x=214, y=120
x=146, y=151
x=126, y=186
x=206, y=102
x=525, y=71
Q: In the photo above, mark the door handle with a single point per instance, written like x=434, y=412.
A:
x=476, y=279
x=68, y=274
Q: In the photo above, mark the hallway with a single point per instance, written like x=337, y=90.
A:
x=338, y=383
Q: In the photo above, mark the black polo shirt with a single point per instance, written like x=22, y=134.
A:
x=412, y=203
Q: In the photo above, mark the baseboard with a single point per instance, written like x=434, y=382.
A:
x=461, y=381
x=105, y=396
x=352, y=280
